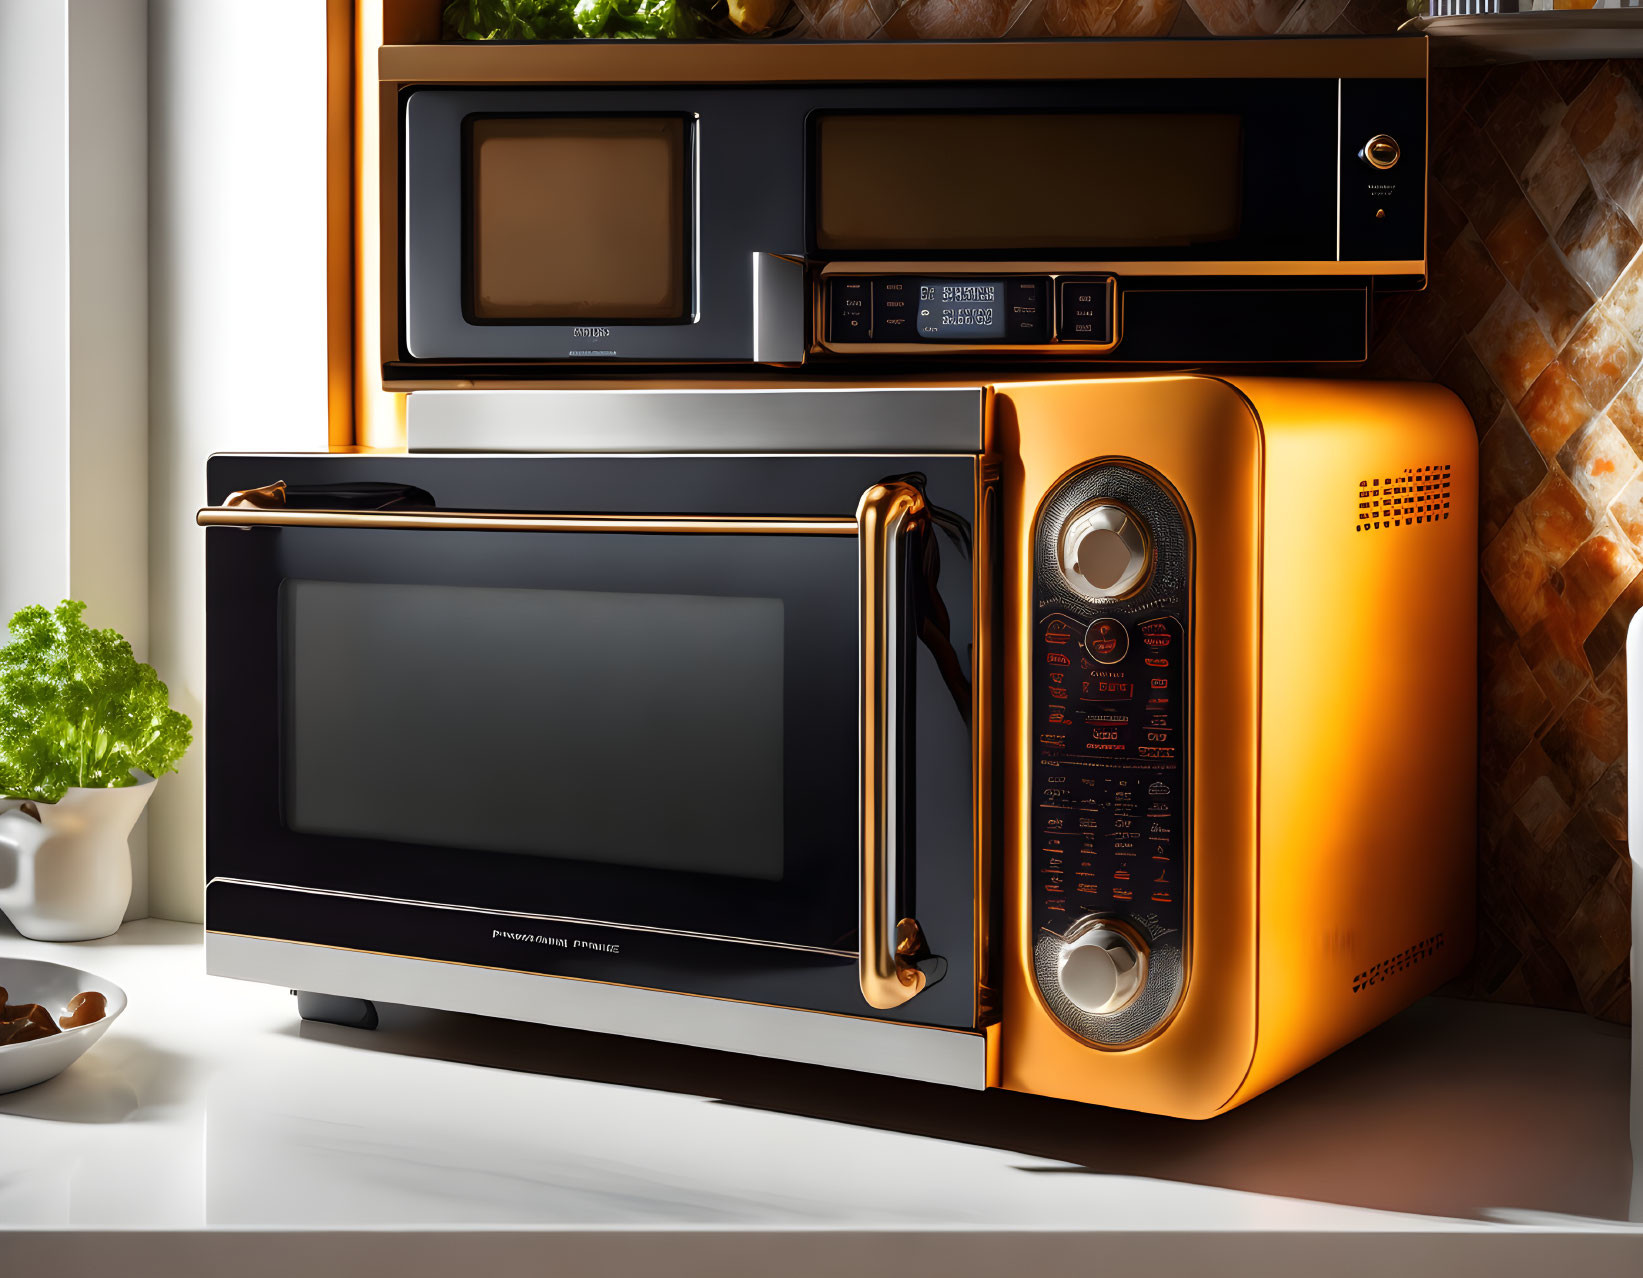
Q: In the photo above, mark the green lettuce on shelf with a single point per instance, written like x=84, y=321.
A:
x=570, y=19
x=78, y=709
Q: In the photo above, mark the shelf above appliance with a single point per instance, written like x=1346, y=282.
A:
x=1542, y=34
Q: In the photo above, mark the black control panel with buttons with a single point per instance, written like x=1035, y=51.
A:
x=851, y=313
x=1009, y=310
x=1085, y=313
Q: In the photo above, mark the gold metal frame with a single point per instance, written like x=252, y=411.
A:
x=888, y=515
x=249, y=516
x=427, y=62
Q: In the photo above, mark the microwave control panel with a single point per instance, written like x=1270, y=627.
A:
x=916, y=312
x=1109, y=857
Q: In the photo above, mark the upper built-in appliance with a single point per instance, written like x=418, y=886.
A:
x=1171, y=202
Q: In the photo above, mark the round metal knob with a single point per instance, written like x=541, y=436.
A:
x=1101, y=969
x=1105, y=551
x=1381, y=151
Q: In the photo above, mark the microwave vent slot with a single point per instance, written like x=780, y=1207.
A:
x=1403, y=499
x=1398, y=963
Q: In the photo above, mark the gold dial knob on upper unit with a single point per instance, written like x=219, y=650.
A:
x=1104, y=551
x=1101, y=970
x=1381, y=151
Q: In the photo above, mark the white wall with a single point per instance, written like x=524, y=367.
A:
x=73, y=319
x=34, y=311
x=236, y=173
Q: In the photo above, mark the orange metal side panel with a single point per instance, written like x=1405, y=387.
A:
x=1200, y=435
x=1369, y=710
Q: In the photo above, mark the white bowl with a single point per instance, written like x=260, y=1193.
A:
x=51, y=985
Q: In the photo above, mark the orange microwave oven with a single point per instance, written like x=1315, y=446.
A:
x=1107, y=738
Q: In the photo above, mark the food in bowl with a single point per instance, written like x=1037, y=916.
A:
x=24, y=1022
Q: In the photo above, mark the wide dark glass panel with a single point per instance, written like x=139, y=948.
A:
x=927, y=182
x=630, y=729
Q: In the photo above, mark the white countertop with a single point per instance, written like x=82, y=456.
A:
x=211, y=1127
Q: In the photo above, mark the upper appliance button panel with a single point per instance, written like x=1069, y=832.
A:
x=1026, y=310
x=852, y=310
x=1086, y=310
x=968, y=311
x=895, y=308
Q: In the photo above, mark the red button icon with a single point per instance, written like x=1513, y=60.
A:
x=1107, y=641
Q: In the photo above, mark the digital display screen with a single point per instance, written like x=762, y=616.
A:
x=961, y=309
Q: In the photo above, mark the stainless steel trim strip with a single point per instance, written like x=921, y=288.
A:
x=779, y=300
x=957, y=1058
x=540, y=918
x=934, y=419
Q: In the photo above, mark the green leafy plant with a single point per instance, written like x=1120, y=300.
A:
x=570, y=19
x=78, y=709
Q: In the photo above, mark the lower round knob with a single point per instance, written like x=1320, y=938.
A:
x=1101, y=970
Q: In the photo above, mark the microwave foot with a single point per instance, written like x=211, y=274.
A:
x=332, y=1009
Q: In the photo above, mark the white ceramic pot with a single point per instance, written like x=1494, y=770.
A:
x=65, y=867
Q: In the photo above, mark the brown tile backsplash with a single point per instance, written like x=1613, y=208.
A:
x=1534, y=317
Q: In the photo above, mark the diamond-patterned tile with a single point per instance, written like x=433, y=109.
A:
x=1594, y=577
x=1600, y=357
x=1472, y=172
x=1606, y=803
x=1626, y=412
x=1516, y=239
x=1529, y=109
x=1608, y=638
x=1605, y=123
x=1558, y=299
x=1558, y=662
x=1598, y=461
x=1463, y=374
x=1625, y=300
x=1596, y=943
x=1588, y=737
x=1130, y=19
x=1554, y=409
x=1516, y=570
x=1512, y=709
x=1598, y=240
x=1559, y=518
x=1555, y=178
x=1509, y=343
x=1570, y=78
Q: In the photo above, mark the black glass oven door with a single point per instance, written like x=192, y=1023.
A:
x=616, y=747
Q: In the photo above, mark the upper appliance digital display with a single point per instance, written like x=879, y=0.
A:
x=1071, y=181
x=961, y=308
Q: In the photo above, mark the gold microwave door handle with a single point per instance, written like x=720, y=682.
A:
x=268, y=497
x=884, y=966
x=260, y=508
